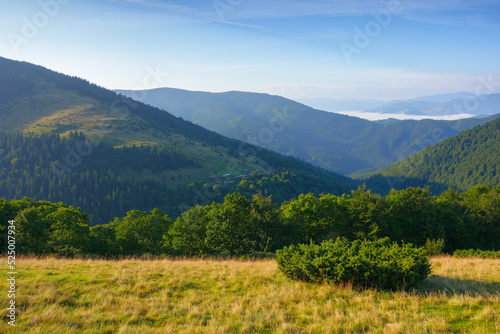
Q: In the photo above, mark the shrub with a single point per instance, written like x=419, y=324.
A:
x=377, y=264
x=434, y=247
x=485, y=254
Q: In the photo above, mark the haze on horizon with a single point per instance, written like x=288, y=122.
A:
x=298, y=49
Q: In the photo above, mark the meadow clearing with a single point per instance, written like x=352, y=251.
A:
x=55, y=295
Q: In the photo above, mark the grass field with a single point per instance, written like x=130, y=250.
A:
x=209, y=296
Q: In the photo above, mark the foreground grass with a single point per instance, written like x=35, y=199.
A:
x=208, y=296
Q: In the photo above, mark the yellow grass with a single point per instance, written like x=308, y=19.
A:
x=209, y=296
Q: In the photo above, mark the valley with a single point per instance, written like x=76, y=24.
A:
x=238, y=166
x=336, y=142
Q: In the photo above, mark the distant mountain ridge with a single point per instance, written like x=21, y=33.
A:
x=333, y=141
x=443, y=104
x=431, y=105
x=334, y=105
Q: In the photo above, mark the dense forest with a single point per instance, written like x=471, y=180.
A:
x=239, y=226
x=106, y=182
x=469, y=158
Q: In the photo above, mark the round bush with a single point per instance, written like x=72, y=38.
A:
x=378, y=264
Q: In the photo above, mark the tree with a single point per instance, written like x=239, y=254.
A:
x=187, y=234
x=483, y=202
x=32, y=232
x=229, y=227
x=156, y=226
x=69, y=233
x=266, y=224
x=412, y=216
x=304, y=214
x=366, y=212
x=459, y=228
x=103, y=240
x=139, y=232
x=8, y=211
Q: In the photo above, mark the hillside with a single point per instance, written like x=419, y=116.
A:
x=470, y=158
x=336, y=142
x=67, y=139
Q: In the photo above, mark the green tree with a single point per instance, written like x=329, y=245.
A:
x=460, y=232
x=32, y=232
x=187, y=234
x=69, y=231
x=229, y=229
x=412, y=216
x=483, y=202
x=266, y=224
x=103, y=240
x=139, y=232
x=304, y=214
x=366, y=212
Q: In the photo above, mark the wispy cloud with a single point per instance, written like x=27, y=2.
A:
x=286, y=8
x=155, y=4
x=248, y=12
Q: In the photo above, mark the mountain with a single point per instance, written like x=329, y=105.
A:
x=333, y=105
x=463, y=161
x=65, y=139
x=339, y=143
x=443, y=104
x=443, y=98
x=479, y=106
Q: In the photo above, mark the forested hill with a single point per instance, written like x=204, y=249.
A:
x=65, y=139
x=336, y=142
x=461, y=162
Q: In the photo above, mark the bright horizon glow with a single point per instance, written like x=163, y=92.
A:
x=293, y=48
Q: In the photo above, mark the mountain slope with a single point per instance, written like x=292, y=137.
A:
x=463, y=161
x=65, y=139
x=336, y=142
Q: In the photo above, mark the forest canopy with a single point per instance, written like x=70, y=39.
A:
x=239, y=226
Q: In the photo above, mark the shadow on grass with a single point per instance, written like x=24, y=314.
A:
x=454, y=286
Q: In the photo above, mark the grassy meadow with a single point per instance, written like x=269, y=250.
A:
x=209, y=296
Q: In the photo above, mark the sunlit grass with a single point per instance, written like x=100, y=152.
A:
x=209, y=296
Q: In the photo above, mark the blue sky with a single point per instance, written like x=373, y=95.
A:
x=297, y=49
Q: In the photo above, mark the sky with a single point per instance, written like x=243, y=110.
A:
x=334, y=49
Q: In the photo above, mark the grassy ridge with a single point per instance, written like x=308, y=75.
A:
x=208, y=296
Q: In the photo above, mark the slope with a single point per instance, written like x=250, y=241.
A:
x=63, y=134
x=336, y=142
x=461, y=162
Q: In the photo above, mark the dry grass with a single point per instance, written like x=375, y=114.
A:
x=208, y=296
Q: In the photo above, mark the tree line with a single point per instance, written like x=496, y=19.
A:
x=107, y=182
x=240, y=226
x=47, y=167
